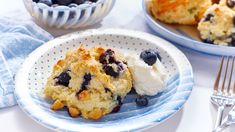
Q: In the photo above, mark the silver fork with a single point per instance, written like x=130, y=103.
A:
x=222, y=96
x=228, y=121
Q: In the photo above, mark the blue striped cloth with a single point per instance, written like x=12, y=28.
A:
x=17, y=40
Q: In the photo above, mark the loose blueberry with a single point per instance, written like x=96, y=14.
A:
x=150, y=56
x=79, y=1
x=63, y=2
x=107, y=57
x=63, y=79
x=208, y=17
x=47, y=2
x=141, y=101
x=230, y=3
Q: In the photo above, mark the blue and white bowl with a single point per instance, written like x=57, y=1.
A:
x=32, y=77
x=69, y=17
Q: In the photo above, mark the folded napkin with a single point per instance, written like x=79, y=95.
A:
x=17, y=40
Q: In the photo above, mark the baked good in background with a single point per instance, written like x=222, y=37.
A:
x=217, y=26
x=187, y=12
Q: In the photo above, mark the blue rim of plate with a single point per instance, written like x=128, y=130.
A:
x=184, y=41
x=182, y=83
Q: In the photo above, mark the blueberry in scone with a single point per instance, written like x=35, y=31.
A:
x=89, y=82
x=179, y=11
x=228, y=3
x=218, y=25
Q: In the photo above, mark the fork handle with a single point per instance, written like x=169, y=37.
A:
x=219, y=116
x=222, y=127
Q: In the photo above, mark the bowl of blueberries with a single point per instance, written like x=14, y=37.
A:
x=68, y=14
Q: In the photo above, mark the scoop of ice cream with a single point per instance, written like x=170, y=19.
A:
x=147, y=80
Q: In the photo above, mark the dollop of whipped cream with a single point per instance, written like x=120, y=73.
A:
x=147, y=80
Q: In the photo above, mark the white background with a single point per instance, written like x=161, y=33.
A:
x=198, y=114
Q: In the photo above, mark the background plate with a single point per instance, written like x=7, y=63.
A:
x=186, y=36
x=31, y=79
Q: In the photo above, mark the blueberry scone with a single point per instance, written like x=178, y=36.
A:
x=179, y=11
x=90, y=83
x=218, y=26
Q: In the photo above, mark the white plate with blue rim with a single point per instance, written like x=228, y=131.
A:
x=186, y=36
x=31, y=79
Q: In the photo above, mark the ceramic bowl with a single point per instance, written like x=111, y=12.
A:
x=69, y=17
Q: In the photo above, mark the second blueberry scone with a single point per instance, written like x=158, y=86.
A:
x=179, y=11
x=90, y=83
x=218, y=26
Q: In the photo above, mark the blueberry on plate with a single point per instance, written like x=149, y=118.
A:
x=63, y=79
x=141, y=101
x=47, y=2
x=63, y=2
x=150, y=56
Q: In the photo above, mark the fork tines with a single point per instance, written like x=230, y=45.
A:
x=223, y=83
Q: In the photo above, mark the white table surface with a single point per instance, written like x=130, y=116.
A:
x=198, y=114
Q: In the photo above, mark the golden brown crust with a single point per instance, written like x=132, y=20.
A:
x=57, y=105
x=95, y=114
x=73, y=112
